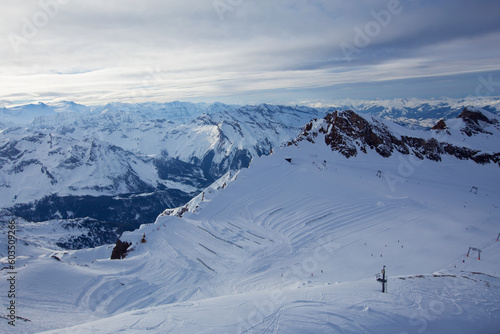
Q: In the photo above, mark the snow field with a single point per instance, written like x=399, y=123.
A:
x=424, y=304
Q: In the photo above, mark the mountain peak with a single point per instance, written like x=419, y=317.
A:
x=476, y=121
x=346, y=131
x=473, y=115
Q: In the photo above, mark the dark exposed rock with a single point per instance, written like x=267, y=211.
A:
x=441, y=125
x=120, y=250
x=347, y=131
x=474, y=121
x=473, y=116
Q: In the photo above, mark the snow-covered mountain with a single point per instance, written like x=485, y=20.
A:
x=349, y=134
x=291, y=245
x=23, y=115
x=473, y=135
x=123, y=164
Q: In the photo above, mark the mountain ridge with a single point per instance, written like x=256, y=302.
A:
x=124, y=164
x=347, y=132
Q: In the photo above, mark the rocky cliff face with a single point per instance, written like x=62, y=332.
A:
x=476, y=122
x=349, y=134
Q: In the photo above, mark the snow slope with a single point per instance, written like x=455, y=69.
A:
x=291, y=246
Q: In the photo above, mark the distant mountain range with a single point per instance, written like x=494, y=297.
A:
x=418, y=113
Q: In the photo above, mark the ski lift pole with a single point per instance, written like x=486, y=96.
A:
x=475, y=249
x=383, y=280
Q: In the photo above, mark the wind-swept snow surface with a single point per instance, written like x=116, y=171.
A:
x=291, y=245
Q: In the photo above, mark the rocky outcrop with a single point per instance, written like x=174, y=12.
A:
x=120, y=250
x=475, y=122
x=441, y=125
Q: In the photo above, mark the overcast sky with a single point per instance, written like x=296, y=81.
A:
x=247, y=51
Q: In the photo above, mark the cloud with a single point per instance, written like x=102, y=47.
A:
x=97, y=51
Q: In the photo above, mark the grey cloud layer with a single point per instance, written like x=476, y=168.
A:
x=172, y=49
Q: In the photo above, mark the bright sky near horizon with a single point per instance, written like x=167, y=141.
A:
x=247, y=51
